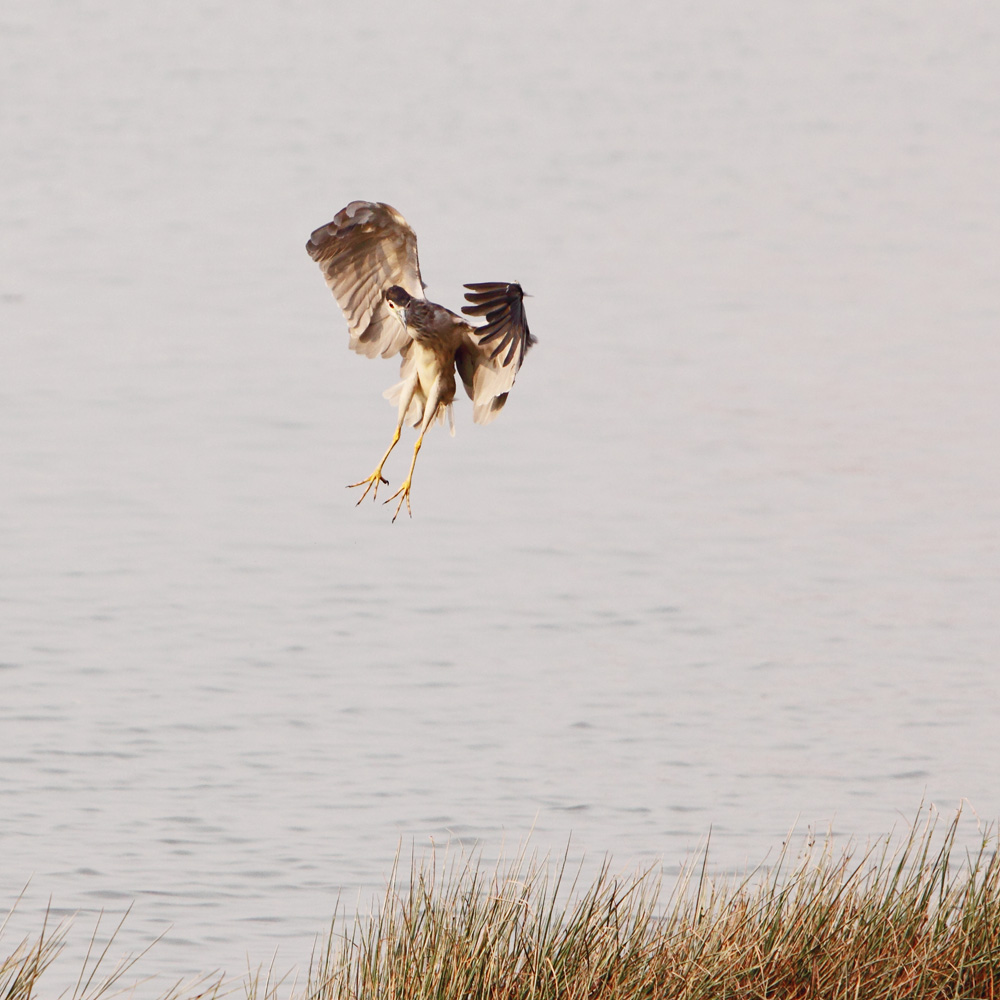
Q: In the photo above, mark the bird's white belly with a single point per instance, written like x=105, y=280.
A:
x=428, y=367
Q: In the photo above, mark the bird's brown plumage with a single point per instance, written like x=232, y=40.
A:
x=368, y=256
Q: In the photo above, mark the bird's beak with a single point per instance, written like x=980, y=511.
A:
x=401, y=315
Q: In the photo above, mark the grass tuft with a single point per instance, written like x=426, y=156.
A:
x=916, y=919
x=887, y=921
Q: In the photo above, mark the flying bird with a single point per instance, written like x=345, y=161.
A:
x=368, y=255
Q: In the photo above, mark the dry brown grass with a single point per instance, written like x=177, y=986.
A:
x=889, y=921
x=895, y=920
x=98, y=979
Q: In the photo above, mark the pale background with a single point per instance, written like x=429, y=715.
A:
x=729, y=560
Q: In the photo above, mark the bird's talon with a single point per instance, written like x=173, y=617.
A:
x=373, y=480
x=404, y=494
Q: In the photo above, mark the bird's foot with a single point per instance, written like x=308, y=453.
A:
x=404, y=494
x=373, y=480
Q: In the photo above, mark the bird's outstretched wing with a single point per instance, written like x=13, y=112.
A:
x=366, y=249
x=489, y=360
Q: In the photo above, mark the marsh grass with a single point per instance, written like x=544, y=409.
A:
x=915, y=919
x=98, y=978
x=887, y=921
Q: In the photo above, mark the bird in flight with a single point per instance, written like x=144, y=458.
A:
x=368, y=256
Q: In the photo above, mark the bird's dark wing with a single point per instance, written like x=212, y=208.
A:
x=368, y=248
x=492, y=354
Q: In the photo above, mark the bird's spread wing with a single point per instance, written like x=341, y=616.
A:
x=368, y=248
x=492, y=354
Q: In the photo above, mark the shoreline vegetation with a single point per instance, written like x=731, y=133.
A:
x=901, y=917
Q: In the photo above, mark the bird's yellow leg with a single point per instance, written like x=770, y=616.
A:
x=404, y=491
x=376, y=477
x=430, y=411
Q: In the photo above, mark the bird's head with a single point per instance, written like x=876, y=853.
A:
x=397, y=299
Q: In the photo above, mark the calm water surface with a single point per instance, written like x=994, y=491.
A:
x=730, y=559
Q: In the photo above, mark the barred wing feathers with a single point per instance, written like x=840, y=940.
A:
x=366, y=249
x=489, y=360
